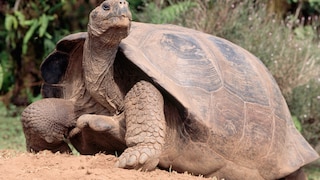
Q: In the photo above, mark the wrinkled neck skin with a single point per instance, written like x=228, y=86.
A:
x=98, y=58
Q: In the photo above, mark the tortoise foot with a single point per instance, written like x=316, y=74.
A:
x=98, y=133
x=100, y=123
x=145, y=158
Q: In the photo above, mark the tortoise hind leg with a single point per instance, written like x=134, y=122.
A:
x=145, y=127
x=46, y=124
x=297, y=175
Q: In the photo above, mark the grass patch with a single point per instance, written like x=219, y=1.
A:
x=11, y=134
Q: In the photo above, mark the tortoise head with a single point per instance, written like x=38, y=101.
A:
x=111, y=20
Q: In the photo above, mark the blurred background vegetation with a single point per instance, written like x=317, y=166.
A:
x=284, y=34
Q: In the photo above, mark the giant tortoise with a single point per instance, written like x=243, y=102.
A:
x=167, y=96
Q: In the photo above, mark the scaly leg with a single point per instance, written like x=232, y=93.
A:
x=145, y=127
x=46, y=124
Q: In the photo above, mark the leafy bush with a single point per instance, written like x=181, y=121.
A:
x=305, y=103
x=30, y=30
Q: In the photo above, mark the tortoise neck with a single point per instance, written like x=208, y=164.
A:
x=98, y=59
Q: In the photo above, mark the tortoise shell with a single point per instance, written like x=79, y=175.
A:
x=219, y=84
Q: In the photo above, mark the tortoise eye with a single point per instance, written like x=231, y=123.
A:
x=105, y=7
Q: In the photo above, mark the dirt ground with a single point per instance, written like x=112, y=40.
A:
x=46, y=165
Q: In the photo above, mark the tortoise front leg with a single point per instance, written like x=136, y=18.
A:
x=99, y=133
x=46, y=124
x=145, y=127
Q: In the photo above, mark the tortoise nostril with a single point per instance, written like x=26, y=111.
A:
x=122, y=2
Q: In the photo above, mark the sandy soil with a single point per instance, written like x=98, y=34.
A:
x=46, y=165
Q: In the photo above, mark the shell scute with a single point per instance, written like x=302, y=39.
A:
x=178, y=53
x=227, y=114
x=227, y=118
x=238, y=74
x=258, y=132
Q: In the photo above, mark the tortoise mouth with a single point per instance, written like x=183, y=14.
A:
x=119, y=21
x=116, y=22
x=113, y=24
x=120, y=17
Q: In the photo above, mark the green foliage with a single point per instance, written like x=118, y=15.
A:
x=135, y=7
x=30, y=30
x=32, y=98
x=313, y=3
x=41, y=24
x=25, y=29
x=305, y=103
x=7, y=69
x=309, y=6
x=297, y=123
x=20, y=28
x=159, y=14
x=304, y=32
x=1, y=76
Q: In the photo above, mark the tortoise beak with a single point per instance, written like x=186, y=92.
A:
x=124, y=10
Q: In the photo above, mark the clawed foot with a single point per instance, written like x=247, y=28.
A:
x=95, y=122
x=145, y=158
x=98, y=123
x=98, y=133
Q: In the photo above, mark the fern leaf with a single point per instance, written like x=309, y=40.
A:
x=172, y=12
